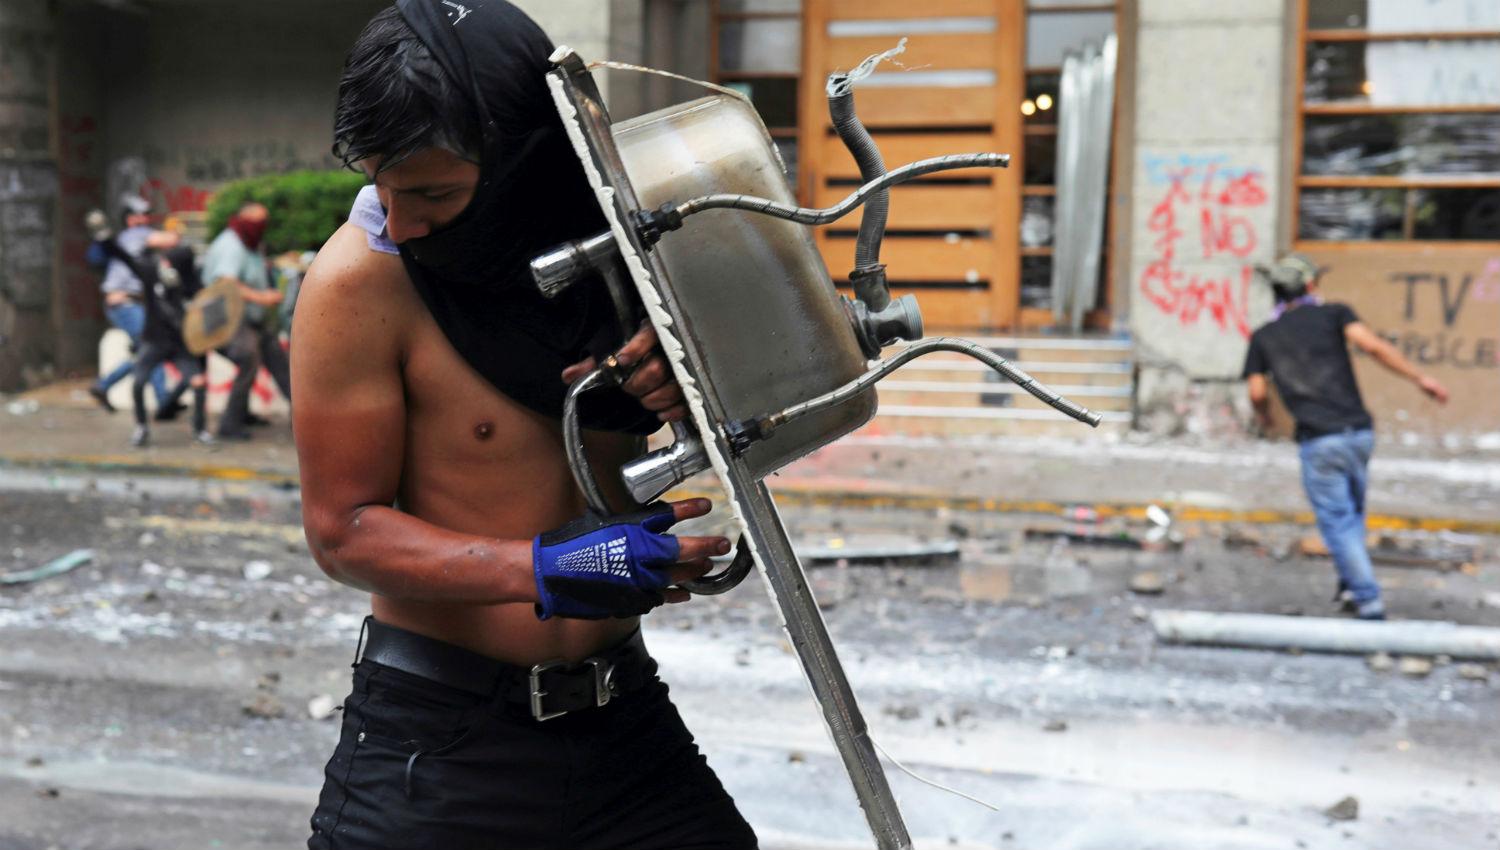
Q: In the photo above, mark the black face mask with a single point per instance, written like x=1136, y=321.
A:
x=487, y=244
x=474, y=274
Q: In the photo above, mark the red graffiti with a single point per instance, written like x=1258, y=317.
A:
x=1223, y=233
x=179, y=198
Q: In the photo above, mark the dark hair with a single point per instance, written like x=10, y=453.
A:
x=1288, y=292
x=394, y=99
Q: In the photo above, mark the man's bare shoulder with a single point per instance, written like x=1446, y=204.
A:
x=355, y=282
x=354, y=302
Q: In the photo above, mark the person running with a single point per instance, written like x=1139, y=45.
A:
x=124, y=292
x=175, y=283
x=1305, y=350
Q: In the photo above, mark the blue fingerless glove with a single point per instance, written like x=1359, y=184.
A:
x=597, y=567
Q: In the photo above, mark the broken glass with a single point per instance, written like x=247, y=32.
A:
x=1401, y=144
x=1352, y=214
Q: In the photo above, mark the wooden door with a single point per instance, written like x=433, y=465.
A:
x=952, y=238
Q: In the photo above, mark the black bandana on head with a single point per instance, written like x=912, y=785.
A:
x=474, y=274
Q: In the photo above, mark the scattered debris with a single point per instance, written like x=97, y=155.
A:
x=1238, y=539
x=1119, y=540
x=796, y=757
x=1474, y=672
x=257, y=570
x=1162, y=533
x=1381, y=662
x=1442, y=552
x=1414, y=666
x=1345, y=809
x=1139, y=613
x=23, y=407
x=268, y=681
x=1312, y=546
x=1081, y=513
x=265, y=707
x=1055, y=726
x=878, y=551
x=35, y=761
x=322, y=707
x=48, y=793
x=1446, y=553
x=54, y=567
x=1148, y=583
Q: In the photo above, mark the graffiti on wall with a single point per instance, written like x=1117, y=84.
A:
x=28, y=193
x=1199, y=269
x=1433, y=305
x=183, y=178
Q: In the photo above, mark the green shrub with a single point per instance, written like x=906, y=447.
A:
x=306, y=206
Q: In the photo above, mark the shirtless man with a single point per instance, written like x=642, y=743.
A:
x=428, y=380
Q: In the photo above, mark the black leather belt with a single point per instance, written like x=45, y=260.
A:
x=550, y=689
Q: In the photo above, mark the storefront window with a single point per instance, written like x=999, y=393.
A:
x=1400, y=112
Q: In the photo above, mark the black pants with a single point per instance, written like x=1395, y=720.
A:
x=421, y=765
x=152, y=355
x=251, y=349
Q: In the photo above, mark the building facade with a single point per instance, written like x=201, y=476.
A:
x=1361, y=132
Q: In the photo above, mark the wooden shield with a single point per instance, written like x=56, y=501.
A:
x=213, y=316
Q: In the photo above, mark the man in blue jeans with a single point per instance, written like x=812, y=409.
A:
x=1305, y=348
x=123, y=293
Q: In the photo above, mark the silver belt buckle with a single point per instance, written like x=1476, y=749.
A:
x=604, y=685
x=604, y=680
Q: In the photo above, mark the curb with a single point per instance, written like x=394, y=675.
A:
x=124, y=464
x=810, y=494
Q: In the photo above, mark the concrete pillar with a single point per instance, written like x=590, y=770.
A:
x=28, y=194
x=1207, y=148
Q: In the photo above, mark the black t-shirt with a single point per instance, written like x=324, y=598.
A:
x=1305, y=352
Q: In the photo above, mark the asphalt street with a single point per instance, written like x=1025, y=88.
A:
x=159, y=696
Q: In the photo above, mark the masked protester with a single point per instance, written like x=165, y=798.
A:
x=123, y=256
x=502, y=696
x=173, y=285
x=1305, y=350
x=237, y=253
